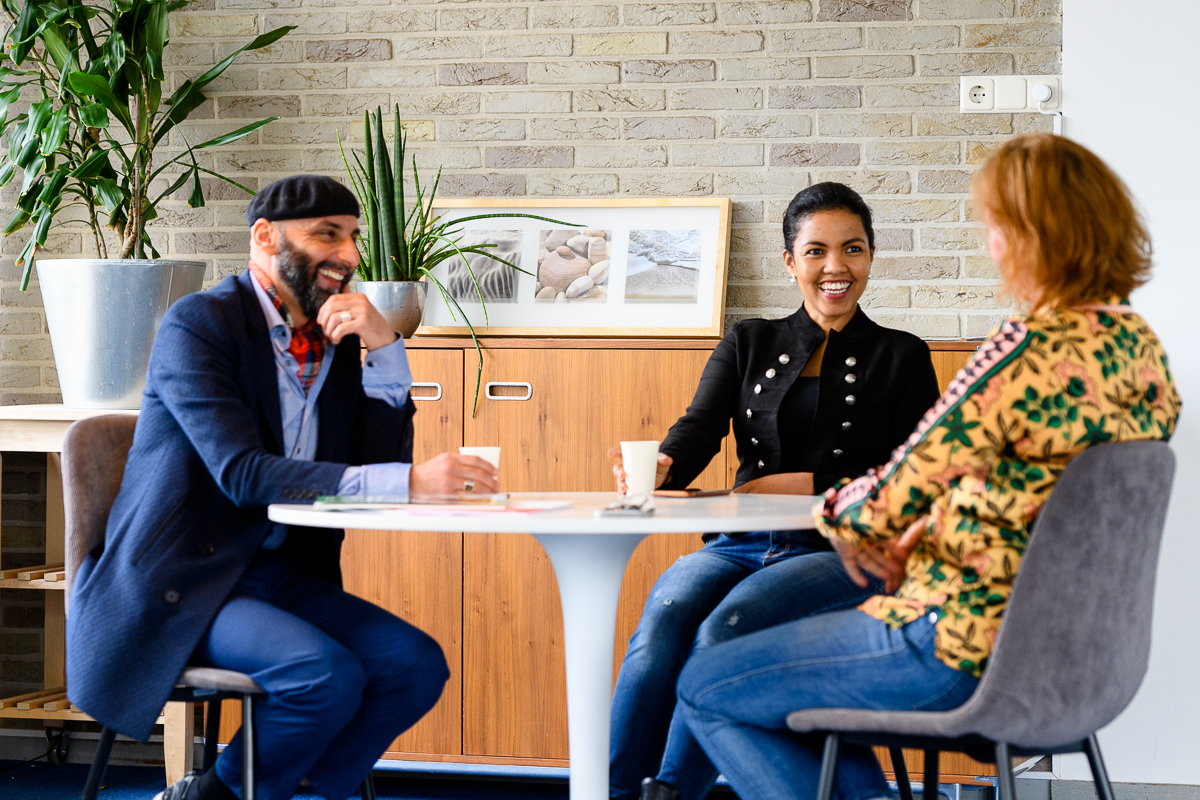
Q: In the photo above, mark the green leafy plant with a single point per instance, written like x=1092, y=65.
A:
x=402, y=244
x=91, y=77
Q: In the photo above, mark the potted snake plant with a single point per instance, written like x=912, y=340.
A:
x=402, y=246
x=88, y=78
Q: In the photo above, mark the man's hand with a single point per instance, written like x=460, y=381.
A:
x=451, y=473
x=660, y=472
x=886, y=561
x=364, y=320
x=781, y=483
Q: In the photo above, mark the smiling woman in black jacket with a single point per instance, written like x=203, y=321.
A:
x=818, y=396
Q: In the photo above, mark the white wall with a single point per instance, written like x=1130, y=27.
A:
x=1123, y=67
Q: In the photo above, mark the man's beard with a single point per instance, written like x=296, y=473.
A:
x=297, y=271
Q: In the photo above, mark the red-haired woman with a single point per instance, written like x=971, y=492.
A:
x=946, y=521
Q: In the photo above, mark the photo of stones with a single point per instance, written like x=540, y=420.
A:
x=497, y=281
x=572, y=266
x=663, y=266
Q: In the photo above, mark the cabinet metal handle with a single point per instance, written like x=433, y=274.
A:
x=437, y=396
x=487, y=390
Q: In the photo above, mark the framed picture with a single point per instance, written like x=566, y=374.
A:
x=621, y=267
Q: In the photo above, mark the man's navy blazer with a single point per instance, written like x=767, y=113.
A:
x=207, y=460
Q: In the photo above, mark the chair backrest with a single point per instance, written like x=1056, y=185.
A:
x=93, y=463
x=1075, y=640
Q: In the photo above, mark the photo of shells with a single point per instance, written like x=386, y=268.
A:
x=663, y=266
x=572, y=266
x=497, y=281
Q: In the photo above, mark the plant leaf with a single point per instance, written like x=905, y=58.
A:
x=95, y=86
x=93, y=166
x=196, y=200
x=16, y=221
x=109, y=194
x=114, y=53
x=94, y=115
x=56, y=131
x=6, y=99
x=233, y=136
x=51, y=195
x=156, y=40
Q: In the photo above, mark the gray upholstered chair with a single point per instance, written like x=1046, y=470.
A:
x=93, y=463
x=1075, y=640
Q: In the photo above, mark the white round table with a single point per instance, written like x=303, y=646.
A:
x=589, y=555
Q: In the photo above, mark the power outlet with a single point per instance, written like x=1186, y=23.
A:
x=1002, y=94
x=976, y=94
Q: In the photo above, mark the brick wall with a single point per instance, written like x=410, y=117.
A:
x=752, y=100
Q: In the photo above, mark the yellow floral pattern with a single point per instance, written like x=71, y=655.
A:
x=983, y=461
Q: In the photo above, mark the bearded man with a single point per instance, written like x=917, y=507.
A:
x=257, y=394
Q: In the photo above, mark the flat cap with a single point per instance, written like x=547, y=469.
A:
x=301, y=197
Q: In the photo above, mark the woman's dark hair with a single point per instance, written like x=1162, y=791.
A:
x=828, y=196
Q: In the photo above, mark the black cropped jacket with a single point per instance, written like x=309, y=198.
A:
x=876, y=384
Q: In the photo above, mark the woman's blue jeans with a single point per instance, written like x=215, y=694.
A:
x=732, y=587
x=735, y=697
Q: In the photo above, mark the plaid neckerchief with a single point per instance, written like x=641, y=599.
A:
x=308, y=341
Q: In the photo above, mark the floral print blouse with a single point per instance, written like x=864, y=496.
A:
x=983, y=461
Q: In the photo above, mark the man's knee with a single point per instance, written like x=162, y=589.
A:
x=326, y=682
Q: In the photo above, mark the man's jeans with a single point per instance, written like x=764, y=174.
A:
x=342, y=679
x=735, y=697
x=721, y=592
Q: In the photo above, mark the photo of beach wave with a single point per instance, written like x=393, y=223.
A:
x=572, y=266
x=497, y=281
x=663, y=267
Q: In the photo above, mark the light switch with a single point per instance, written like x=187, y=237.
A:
x=1011, y=93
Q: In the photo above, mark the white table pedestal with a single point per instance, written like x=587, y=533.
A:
x=589, y=569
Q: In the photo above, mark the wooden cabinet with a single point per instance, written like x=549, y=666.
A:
x=554, y=407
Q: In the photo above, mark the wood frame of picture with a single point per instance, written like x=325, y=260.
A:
x=511, y=316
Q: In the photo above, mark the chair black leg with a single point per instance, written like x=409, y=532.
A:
x=1008, y=789
x=930, y=792
x=1099, y=773
x=99, y=764
x=212, y=733
x=901, y=770
x=248, y=749
x=367, y=790
x=829, y=765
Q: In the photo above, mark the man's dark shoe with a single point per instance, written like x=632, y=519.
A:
x=657, y=790
x=181, y=789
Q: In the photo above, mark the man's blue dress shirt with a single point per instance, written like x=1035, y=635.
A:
x=385, y=377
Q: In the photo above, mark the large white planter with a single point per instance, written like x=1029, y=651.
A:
x=103, y=315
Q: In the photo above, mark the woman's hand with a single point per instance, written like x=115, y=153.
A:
x=885, y=560
x=782, y=483
x=660, y=474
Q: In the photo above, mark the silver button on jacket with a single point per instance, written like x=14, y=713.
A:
x=757, y=388
x=783, y=359
x=851, y=361
x=849, y=401
x=851, y=378
x=771, y=373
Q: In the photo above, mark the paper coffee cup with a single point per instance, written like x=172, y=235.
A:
x=488, y=454
x=640, y=460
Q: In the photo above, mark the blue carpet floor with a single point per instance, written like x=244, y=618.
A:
x=41, y=781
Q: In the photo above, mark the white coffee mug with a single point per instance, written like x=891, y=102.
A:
x=488, y=454
x=640, y=460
